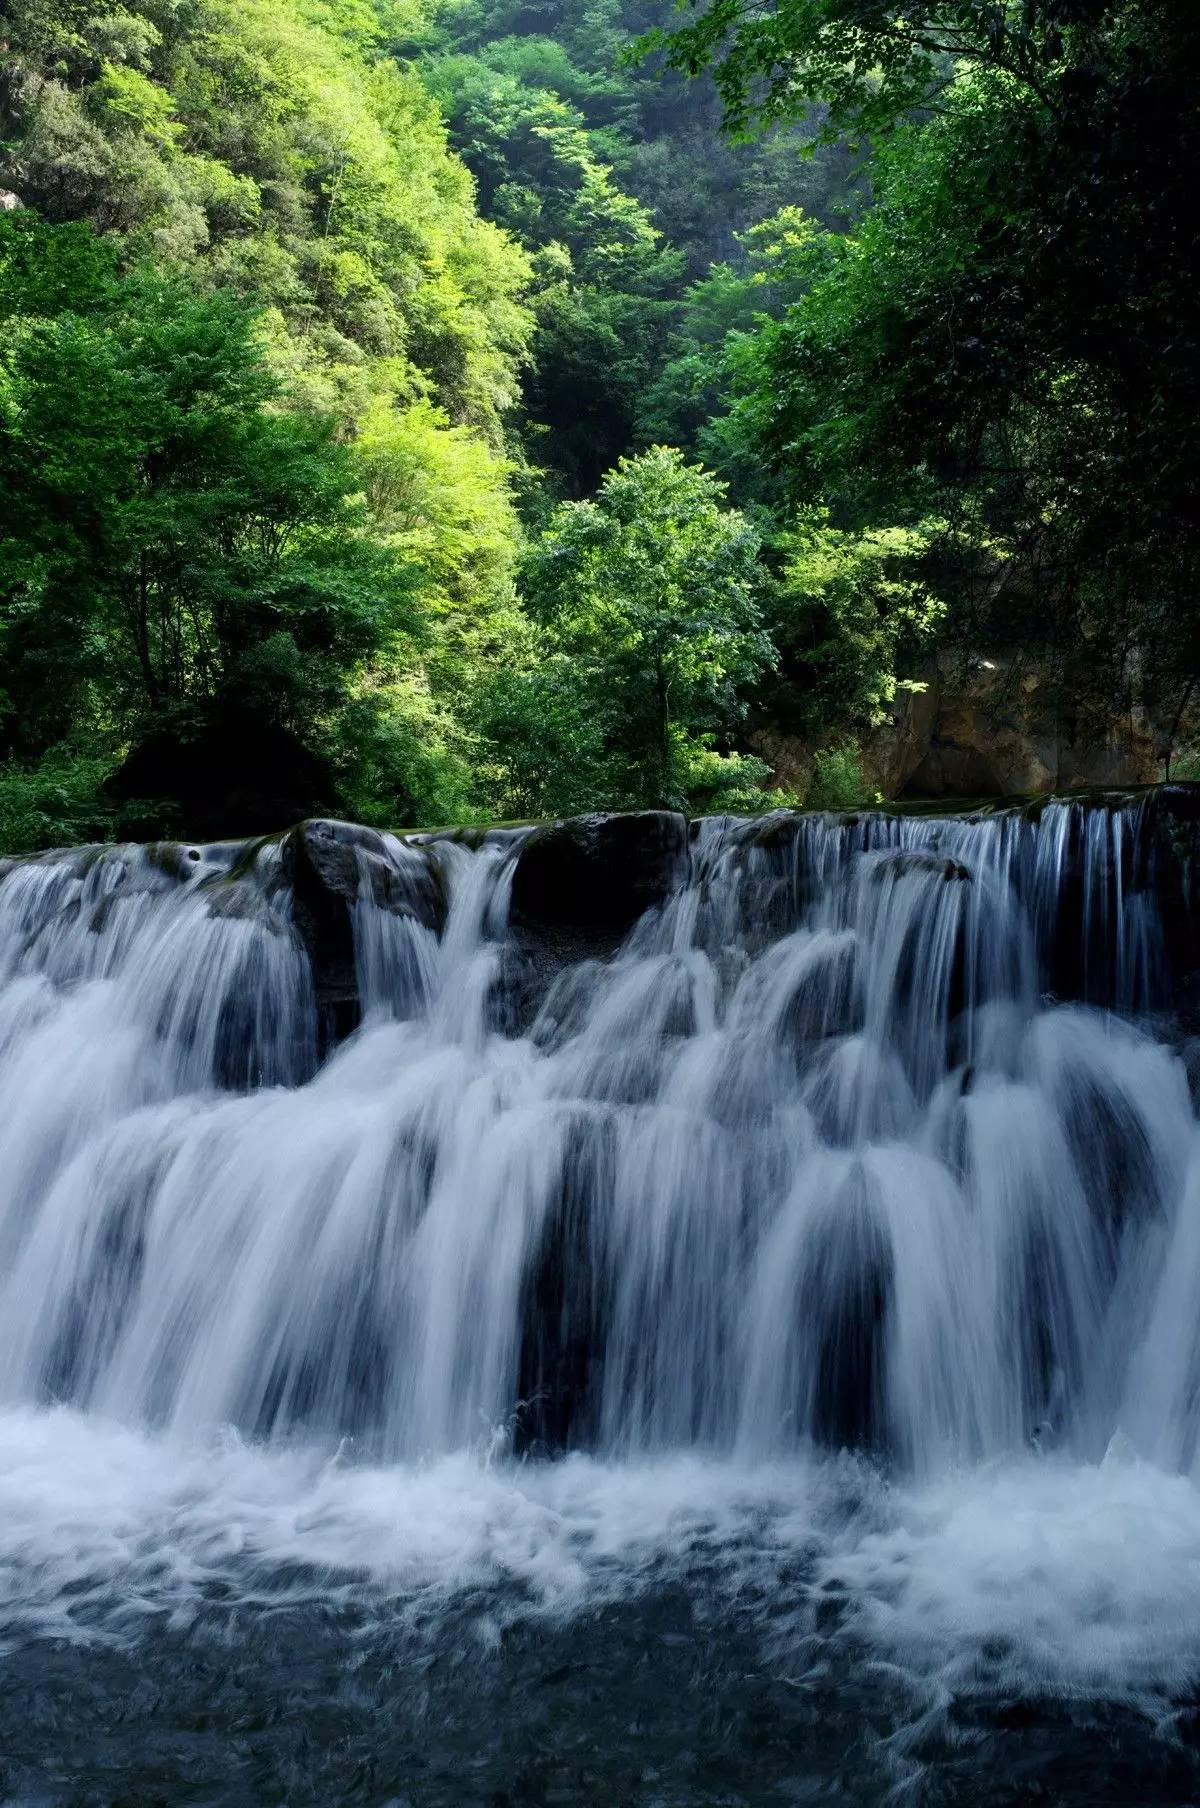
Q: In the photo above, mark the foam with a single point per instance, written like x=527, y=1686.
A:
x=1038, y=1576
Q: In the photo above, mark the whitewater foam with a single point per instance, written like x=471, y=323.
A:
x=1037, y=1576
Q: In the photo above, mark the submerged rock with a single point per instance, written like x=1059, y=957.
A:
x=905, y=865
x=1172, y=872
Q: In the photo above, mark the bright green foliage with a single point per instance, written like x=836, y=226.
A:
x=265, y=142
x=838, y=781
x=287, y=490
x=171, y=538
x=694, y=402
x=403, y=758
x=439, y=496
x=651, y=593
x=714, y=783
x=540, y=171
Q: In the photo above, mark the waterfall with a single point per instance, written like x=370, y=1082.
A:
x=870, y=1131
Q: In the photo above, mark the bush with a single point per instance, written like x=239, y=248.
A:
x=838, y=781
x=58, y=802
x=726, y=783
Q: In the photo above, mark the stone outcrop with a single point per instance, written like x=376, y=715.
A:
x=1172, y=856
x=598, y=874
x=1001, y=733
x=998, y=732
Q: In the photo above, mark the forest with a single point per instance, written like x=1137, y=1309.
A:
x=439, y=411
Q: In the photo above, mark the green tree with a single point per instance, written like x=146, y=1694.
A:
x=849, y=611
x=270, y=147
x=871, y=64
x=651, y=592
x=1010, y=338
x=694, y=401
x=176, y=543
x=603, y=276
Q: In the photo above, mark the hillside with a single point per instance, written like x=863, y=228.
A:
x=440, y=413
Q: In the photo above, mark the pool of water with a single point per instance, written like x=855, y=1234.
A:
x=217, y=1623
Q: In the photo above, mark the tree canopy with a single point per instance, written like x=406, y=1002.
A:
x=445, y=410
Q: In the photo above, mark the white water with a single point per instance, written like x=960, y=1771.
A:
x=812, y=1161
x=1036, y=1575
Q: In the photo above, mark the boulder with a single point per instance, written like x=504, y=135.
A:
x=920, y=863
x=218, y=770
x=599, y=874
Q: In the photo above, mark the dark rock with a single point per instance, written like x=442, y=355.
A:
x=902, y=866
x=599, y=874
x=327, y=860
x=330, y=866
x=1179, y=801
x=776, y=832
x=826, y=1000
x=565, y=1308
x=1170, y=866
x=845, y=1299
x=241, y=900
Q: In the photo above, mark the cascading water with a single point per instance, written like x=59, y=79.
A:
x=852, y=1197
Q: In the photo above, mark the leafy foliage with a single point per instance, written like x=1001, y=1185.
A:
x=849, y=610
x=422, y=408
x=172, y=539
x=266, y=145
x=1009, y=338
x=650, y=592
x=58, y=801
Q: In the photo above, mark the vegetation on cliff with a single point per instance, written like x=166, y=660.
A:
x=425, y=411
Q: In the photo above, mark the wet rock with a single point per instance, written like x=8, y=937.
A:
x=845, y=1297
x=327, y=860
x=1170, y=866
x=329, y=867
x=218, y=770
x=565, y=1307
x=599, y=874
x=240, y=900
x=777, y=831
x=903, y=866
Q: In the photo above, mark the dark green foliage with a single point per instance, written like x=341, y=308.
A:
x=619, y=182
x=59, y=800
x=1011, y=338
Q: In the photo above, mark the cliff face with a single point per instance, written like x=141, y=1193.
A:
x=1002, y=732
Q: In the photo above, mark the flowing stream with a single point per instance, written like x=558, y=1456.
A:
x=755, y=1361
